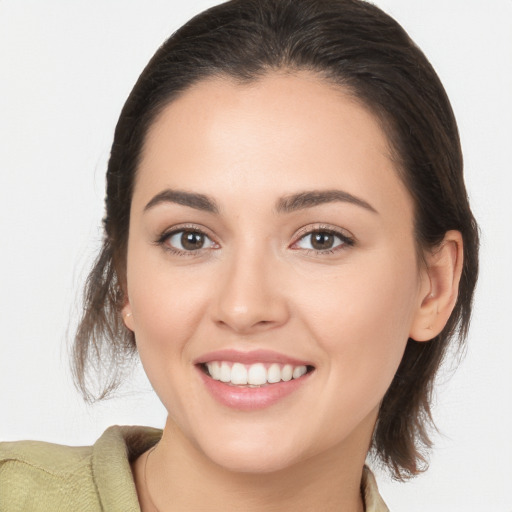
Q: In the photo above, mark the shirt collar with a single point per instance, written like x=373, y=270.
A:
x=372, y=499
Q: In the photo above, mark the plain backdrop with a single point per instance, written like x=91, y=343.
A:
x=66, y=68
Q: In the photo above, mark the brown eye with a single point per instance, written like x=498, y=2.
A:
x=191, y=240
x=188, y=240
x=323, y=240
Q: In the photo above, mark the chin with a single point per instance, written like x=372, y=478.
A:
x=250, y=453
x=251, y=460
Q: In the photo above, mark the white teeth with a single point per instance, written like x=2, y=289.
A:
x=257, y=375
x=238, y=374
x=287, y=372
x=225, y=372
x=299, y=371
x=254, y=374
x=274, y=373
x=214, y=369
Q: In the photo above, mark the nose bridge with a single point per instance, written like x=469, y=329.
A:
x=249, y=298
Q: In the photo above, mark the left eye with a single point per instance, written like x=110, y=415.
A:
x=320, y=241
x=187, y=240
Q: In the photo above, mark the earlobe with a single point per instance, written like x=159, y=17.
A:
x=127, y=316
x=439, y=295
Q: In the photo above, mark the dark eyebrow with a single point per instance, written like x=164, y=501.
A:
x=190, y=199
x=311, y=198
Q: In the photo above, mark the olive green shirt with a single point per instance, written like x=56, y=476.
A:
x=43, y=477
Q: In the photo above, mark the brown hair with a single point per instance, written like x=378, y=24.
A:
x=355, y=45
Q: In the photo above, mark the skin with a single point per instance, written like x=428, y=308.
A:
x=258, y=285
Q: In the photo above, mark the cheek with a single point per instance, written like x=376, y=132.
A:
x=166, y=311
x=167, y=304
x=361, y=319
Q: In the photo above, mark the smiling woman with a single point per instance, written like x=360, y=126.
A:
x=290, y=251
x=296, y=284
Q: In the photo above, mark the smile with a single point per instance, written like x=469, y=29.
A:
x=258, y=374
x=250, y=381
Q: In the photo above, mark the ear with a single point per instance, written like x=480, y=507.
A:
x=127, y=315
x=440, y=287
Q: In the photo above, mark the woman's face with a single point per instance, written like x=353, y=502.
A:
x=270, y=235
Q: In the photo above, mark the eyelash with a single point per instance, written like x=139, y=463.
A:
x=166, y=235
x=346, y=241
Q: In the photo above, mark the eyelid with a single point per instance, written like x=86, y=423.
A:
x=345, y=236
x=173, y=230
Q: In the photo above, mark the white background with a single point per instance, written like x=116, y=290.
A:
x=66, y=68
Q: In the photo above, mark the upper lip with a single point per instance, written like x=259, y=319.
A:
x=250, y=357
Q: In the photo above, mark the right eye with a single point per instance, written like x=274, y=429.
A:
x=187, y=241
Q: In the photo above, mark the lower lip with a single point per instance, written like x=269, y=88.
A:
x=251, y=399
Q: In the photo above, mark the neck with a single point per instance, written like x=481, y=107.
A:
x=180, y=477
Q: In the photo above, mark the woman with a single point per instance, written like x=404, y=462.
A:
x=289, y=249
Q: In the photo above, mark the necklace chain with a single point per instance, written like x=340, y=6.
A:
x=145, y=479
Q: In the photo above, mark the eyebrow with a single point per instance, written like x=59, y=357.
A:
x=190, y=199
x=287, y=204
x=309, y=199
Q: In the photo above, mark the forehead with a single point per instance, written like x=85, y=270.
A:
x=283, y=131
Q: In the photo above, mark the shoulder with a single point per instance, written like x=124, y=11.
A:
x=38, y=476
x=47, y=457
x=41, y=476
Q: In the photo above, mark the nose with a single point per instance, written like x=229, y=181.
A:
x=250, y=297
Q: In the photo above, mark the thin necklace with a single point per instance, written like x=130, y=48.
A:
x=145, y=480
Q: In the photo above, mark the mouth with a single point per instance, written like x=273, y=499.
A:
x=254, y=375
x=249, y=381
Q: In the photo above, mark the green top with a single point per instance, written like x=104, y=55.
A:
x=44, y=477
x=37, y=476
